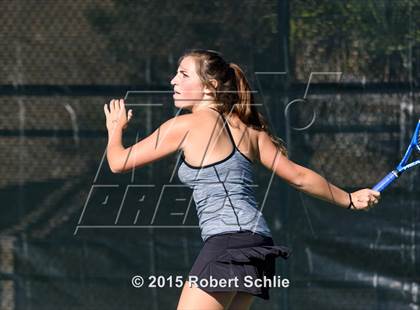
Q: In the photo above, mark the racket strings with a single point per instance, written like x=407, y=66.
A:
x=418, y=137
x=418, y=141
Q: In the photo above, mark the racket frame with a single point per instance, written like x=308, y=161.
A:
x=402, y=166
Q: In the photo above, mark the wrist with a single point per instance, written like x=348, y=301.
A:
x=114, y=127
x=351, y=204
x=114, y=130
x=114, y=136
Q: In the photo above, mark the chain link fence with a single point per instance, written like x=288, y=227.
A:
x=64, y=245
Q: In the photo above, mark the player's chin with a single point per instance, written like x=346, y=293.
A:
x=182, y=103
x=177, y=103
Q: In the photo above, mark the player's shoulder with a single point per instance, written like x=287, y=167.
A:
x=180, y=120
x=197, y=118
x=262, y=135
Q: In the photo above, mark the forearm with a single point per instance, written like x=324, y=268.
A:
x=115, y=149
x=315, y=185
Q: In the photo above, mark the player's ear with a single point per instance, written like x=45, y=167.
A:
x=208, y=90
x=214, y=83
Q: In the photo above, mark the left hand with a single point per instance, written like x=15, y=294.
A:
x=116, y=116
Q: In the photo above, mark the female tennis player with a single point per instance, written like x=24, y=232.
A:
x=221, y=139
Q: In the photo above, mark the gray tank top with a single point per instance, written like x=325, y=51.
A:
x=223, y=194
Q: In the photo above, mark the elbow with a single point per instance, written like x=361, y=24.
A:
x=115, y=168
x=298, y=181
x=119, y=168
x=115, y=158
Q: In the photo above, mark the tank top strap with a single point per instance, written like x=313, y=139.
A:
x=227, y=127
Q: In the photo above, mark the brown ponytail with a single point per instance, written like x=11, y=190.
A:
x=233, y=91
x=246, y=110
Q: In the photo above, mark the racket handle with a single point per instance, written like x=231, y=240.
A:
x=388, y=179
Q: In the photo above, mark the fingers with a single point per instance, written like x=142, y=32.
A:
x=115, y=112
x=375, y=194
x=121, y=108
x=366, y=199
x=106, y=110
x=121, y=104
x=116, y=105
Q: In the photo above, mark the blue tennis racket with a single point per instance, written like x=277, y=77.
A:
x=403, y=165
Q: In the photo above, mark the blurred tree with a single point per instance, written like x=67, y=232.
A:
x=366, y=40
x=147, y=36
x=374, y=39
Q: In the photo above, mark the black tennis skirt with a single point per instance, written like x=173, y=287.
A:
x=239, y=258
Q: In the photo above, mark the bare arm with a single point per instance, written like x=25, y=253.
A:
x=166, y=139
x=307, y=180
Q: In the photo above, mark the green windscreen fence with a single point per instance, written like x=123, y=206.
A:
x=337, y=80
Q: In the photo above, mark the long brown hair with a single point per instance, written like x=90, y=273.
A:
x=232, y=93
